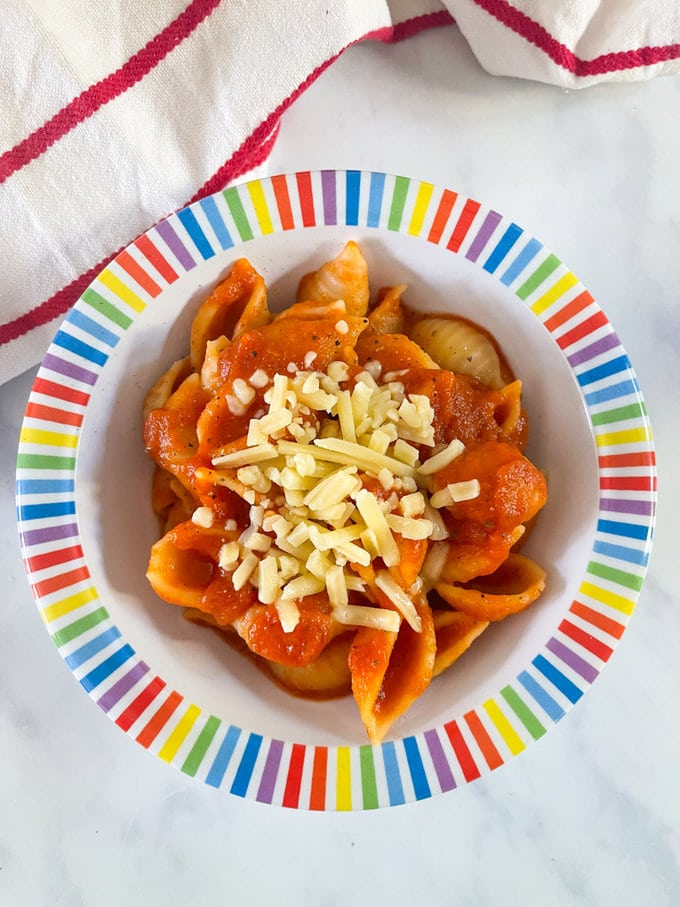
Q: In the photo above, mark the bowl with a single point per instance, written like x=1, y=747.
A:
x=86, y=523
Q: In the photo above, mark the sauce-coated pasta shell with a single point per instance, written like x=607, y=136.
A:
x=325, y=677
x=166, y=386
x=219, y=314
x=455, y=633
x=388, y=316
x=344, y=277
x=512, y=588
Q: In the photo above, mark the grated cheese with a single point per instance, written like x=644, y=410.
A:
x=400, y=599
x=288, y=566
x=244, y=570
x=302, y=586
x=310, y=385
x=269, y=424
x=236, y=408
x=464, y=491
x=386, y=478
x=336, y=586
x=409, y=528
x=276, y=394
x=228, y=555
x=392, y=376
x=365, y=616
x=269, y=583
x=379, y=441
x=346, y=416
x=257, y=541
x=405, y=452
x=439, y=531
x=247, y=456
x=333, y=489
x=433, y=464
x=259, y=378
x=361, y=456
x=254, y=477
x=354, y=583
x=307, y=451
x=243, y=392
x=289, y=614
x=374, y=368
x=325, y=540
x=318, y=564
x=305, y=465
x=441, y=498
x=369, y=508
x=412, y=504
x=338, y=371
x=455, y=493
x=202, y=516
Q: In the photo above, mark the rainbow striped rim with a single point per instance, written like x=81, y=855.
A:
x=206, y=746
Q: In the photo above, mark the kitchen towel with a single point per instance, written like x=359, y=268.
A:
x=114, y=115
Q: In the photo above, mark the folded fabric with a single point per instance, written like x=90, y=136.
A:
x=115, y=115
x=572, y=43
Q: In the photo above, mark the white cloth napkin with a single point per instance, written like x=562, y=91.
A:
x=114, y=115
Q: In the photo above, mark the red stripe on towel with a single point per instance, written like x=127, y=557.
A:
x=559, y=53
x=110, y=87
x=252, y=152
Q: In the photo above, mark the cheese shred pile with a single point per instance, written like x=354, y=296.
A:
x=333, y=474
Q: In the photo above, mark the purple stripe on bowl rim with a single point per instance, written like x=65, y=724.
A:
x=574, y=661
x=265, y=791
x=49, y=534
x=330, y=212
x=603, y=345
x=68, y=369
x=115, y=693
x=166, y=231
x=627, y=505
x=439, y=761
x=491, y=221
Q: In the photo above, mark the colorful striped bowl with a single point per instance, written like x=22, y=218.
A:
x=85, y=519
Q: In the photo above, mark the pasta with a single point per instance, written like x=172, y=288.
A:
x=457, y=345
x=341, y=490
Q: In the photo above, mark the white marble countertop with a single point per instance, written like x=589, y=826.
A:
x=590, y=815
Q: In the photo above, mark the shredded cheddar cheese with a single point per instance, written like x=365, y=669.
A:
x=311, y=452
x=203, y=517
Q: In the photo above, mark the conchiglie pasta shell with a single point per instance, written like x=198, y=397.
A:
x=241, y=294
x=459, y=347
x=455, y=633
x=344, y=277
x=388, y=317
x=327, y=676
x=166, y=386
x=517, y=583
x=256, y=313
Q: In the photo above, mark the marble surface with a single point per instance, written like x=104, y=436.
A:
x=590, y=815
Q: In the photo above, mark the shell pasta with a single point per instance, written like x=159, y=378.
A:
x=341, y=487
